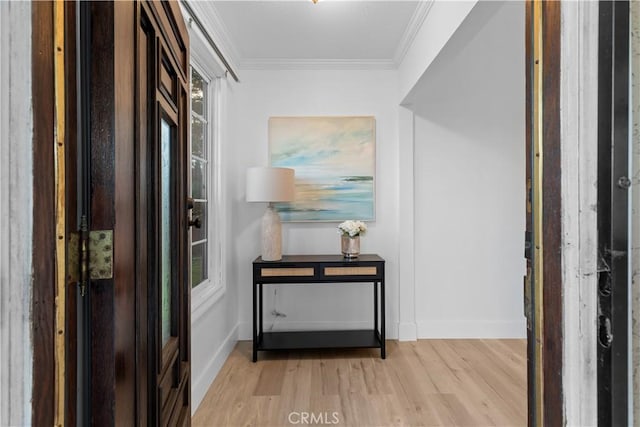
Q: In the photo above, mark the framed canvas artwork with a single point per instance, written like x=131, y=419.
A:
x=334, y=162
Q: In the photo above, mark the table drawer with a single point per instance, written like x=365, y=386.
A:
x=287, y=272
x=350, y=271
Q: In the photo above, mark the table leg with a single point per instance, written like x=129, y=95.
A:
x=375, y=306
x=261, y=318
x=383, y=349
x=255, y=323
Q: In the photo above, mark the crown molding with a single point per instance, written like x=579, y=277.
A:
x=218, y=30
x=317, y=64
x=414, y=25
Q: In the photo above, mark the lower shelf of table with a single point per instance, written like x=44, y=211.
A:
x=317, y=340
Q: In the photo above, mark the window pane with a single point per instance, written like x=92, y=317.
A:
x=165, y=237
x=198, y=179
x=198, y=93
x=198, y=264
x=197, y=138
x=199, y=211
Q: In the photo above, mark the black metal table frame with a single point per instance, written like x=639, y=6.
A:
x=319, y=269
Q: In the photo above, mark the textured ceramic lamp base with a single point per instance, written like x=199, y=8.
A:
x=271, y=235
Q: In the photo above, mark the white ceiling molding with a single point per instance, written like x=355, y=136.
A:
x=420, y=14
x=317, y=64
x=218, y=31
x=212, y=15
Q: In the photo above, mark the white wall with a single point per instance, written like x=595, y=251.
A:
x=16, y=177
x=442, y=20
x=307, y=93
x=469, y=168
x=407, y=328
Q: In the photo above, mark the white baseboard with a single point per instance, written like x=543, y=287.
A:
x=471, y=329
x=407, y=331
x=200, y=385
x=245, y=332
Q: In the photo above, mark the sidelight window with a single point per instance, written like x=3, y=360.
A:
x=206, y=241
x=200, y=141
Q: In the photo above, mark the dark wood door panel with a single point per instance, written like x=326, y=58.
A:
x=165, y=291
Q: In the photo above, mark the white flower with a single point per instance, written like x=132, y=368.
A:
x=352, y=228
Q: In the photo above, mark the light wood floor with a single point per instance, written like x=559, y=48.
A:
x=423, y=383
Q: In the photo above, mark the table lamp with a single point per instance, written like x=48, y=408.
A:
x=267, y=184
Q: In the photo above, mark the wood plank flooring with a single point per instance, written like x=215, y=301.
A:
x=423, y=383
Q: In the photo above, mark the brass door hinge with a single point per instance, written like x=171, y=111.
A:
x=90, y=256
x=101, y=254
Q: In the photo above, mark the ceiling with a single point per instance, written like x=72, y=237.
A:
x=329, y=34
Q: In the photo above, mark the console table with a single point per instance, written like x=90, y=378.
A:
x=319, y=269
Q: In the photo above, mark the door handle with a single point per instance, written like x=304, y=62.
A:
x=196, y=222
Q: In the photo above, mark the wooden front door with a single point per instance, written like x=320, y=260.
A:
x=162, y=81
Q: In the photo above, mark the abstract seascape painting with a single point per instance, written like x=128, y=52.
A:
x=334, y=161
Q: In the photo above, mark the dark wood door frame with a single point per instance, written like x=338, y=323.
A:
x=44, y=228
x=552, y=218
x=543, y=142
x=48, y=360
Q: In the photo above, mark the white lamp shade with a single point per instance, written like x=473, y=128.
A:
x=266, y=184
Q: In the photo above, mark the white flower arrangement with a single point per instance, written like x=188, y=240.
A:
x=352, y=228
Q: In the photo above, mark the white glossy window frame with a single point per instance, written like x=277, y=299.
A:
x=211, y=289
